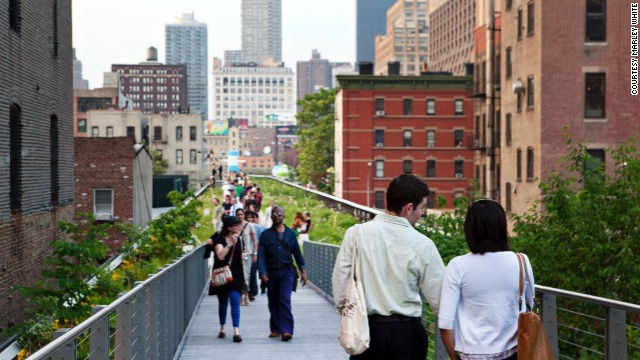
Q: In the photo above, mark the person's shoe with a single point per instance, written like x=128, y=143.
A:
x=221, y=335
x=252, y=298
x=274, y=335
x=237, y=338
x=286, y=337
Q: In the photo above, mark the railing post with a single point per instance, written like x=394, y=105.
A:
x=138, y=324
x=123, y=335
x=68, y=350
x=616, y=334
x=152, y=331
x=550, y=320
x=99, y=342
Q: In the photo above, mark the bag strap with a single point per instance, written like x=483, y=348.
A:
x=519, y=256
x=522, y=264
x=233, y=251
x=354, y=257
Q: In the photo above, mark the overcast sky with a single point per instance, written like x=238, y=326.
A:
x=109, y=32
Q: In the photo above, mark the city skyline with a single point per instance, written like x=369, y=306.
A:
x=120, y=32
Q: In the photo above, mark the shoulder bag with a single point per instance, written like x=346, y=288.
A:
x=533, y=342
x=222, y=275
x=354, y=325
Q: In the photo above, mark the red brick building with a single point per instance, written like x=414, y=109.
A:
x=390, y=125
x=113, y=181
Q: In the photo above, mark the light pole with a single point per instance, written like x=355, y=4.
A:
x=368, y=181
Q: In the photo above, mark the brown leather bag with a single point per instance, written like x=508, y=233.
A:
x=533, y=342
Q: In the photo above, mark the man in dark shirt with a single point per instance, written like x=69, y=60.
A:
x=275, y=265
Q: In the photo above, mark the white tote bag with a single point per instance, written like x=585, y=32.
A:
x=354, y=325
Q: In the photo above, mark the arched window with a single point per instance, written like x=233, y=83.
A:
x=54, y=149
x=15, y=161
x=529, y=163
x=519, y=165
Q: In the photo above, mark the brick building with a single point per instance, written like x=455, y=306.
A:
x=113, y=181
x=390, y=125
x=36, y=141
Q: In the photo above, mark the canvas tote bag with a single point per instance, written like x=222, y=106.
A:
x=533, y=343
x=354, y=325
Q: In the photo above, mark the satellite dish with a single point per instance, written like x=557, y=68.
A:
x=266, y=150
x=246, y=153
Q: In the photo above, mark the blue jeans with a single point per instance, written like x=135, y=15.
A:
x=279, y=288
x=232, y=297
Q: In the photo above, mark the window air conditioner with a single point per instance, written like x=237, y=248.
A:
x=458, y=176
x=518, y=86
x=103, y=217
x=379, y=112
x=379, y=144
x=431, y=145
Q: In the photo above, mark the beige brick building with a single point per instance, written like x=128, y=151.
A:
x=451, y=36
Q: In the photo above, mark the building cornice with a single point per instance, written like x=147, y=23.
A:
x=423, y=82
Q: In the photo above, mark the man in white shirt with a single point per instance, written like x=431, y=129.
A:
x=396, y=262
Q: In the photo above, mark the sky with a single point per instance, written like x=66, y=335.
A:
x=109, y=32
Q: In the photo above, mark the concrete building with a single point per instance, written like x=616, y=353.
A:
x=36, y=142
x=451, y=36
x=87, y=100
x=254, y=92
x=313, y=74
x=371, y=16
x=78, y=82
x=406, y=40
x=178, y=137
x=390, y=125
x=117, y=123
x=232, y=56
x=152, y=87
x=113, y=180
x=186, y=43
x=261, y=30
x=341, y=69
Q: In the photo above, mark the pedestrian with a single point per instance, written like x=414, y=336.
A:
x=250, y=242
x=479, y=308
x=218, y=211
x=278, y=246
x=395, y=263
x=267, y=214
x=220, y=172
x=227, y=249
x=254, y=218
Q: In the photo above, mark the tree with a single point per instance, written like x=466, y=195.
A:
x=160, y=165
x=316, y=132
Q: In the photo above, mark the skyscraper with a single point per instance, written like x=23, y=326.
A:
x=78, y=82
x=261, y=30
x=313, y=74
x=371, y=20
x=186, y=43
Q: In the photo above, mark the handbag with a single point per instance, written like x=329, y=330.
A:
x=354, y=324
x=533, y=342
x=222, y=275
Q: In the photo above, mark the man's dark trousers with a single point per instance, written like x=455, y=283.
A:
x=398, y=340
x=279, y=288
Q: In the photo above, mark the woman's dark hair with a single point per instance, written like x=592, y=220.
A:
x=485, y=227
x=240, y=209
x=406, y=189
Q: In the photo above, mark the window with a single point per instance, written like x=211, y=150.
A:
x=54, y=17
x=407, y=138
x=407, y=106
x=519, y=101
x=379, y=168
x=379, y=140
x=95, y=132
x=596, y=21
x=508, y=62
x=53, y=150
x=459, y=168
x=507, y=189
x=509, y=4
x=82, y=125
x=15, y=158
x=431, y=168
x=178, y=133
x=192, y=133
x=14, y=14
x=459, y=106
x=131, y=131
x=379, y=200
x=530, y=92
x=595, y=164
x=594, y=96
x=519, y=165
x=477, y=132
x=193, y=156
x=157, y=133
x=431, y=106
x=529, y=163
x=457, y=138
x=530, y=17
x=103, y=204
x=379, y=107
x=179, y=156
x=431, y=200
x=519, y=30
x=431, y=138
x=407, y=167
x=109, y=131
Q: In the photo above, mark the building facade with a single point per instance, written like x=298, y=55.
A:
x=451, y=36
x=261, y=30
x=117, y=123
x=253, y=92
x=87, y=100
x=186, y=43
x=313, y=74
x=371, y=17
x=392, y=125
x=406, y=40
x=36, y=142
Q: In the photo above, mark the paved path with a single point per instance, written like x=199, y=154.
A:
x=315, y=338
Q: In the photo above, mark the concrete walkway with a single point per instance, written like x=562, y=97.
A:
x=316, y=331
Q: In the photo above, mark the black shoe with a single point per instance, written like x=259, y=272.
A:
x=221, y=335
x=286, y=337
x=237, y=338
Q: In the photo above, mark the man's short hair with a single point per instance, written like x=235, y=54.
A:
x=406, y=189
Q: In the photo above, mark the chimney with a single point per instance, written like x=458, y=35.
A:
x=393, y=68
x=152, y=54
x=366, y=68
x=424, y=68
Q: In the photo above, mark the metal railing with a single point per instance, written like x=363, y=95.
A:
x=148, y=322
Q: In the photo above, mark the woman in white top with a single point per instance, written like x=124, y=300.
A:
x=479, y=308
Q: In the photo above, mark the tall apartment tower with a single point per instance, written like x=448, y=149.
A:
x=261, y=30
x=451, y=28
x=406, y=39
x=313, y=74
x=186, y=43
x=36, y=142
x=371, y=20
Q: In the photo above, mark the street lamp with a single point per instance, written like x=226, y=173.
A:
x=368, y=181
